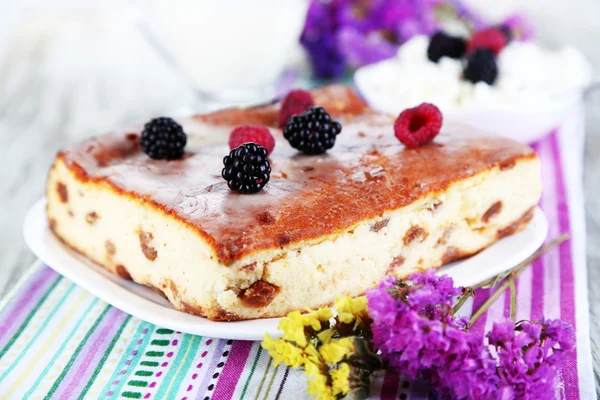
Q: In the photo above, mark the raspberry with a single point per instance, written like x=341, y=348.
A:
x=418, y=126
x=163, y=139
x=491, y=38
x=296, y=102
x=251, y=134
x=246, y=168
x=441, y=45
x=312, y=132
x=481, y=66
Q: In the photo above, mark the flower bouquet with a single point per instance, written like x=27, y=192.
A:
x=413, y=327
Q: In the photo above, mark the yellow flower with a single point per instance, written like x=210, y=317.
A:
x=312, y=369
x=348, y=308
x=325, y=336
x=312, y=355
x=324, y=314
x=312, y=320
x=318, y=386
x=293, y=328
x=282, y=351
x=335, y=351
x=341, y=379
x=268, y=343
x=293, y=325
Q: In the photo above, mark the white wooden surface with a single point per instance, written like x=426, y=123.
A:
x=61, y=83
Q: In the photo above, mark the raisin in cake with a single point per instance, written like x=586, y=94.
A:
x=326, y=225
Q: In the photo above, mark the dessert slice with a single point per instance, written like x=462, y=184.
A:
x=323, y=226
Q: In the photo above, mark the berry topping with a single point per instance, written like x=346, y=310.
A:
x=312, y=132
x=491, y=38
x=441, y=45
x=418, y=126
x=481, y=66
x=247, y=169
x=296, y=102
x=251, y=134
x=163, y=139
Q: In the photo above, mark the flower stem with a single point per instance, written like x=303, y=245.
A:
x=514, y=274
x=513, y=296
x=467, y=292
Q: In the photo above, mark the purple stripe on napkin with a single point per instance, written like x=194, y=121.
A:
x=567, y=279
x=90, y=354
x=24, y=303
x=232, y=371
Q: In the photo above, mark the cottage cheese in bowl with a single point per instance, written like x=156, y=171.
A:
x=533, y=89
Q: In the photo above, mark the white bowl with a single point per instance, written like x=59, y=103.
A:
x=524, y=121
x=234, y=49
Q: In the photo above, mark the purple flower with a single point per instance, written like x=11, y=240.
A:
x=360, y=49
x=528, y=352
x=320, y=41
x=326, y=59
x=359, y=32
x=467, y=370
x=416, y=334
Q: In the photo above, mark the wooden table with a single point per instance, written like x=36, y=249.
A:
x=30, y=135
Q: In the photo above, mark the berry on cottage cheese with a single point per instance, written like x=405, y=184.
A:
x=526, y=73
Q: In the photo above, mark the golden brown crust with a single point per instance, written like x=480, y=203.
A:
x=336, y=99
x=518, y=225
x=451, y=254
x=307, y=198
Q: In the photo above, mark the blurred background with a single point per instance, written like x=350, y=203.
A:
x=70, y=69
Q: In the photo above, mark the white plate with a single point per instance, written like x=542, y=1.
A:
x=144, y=303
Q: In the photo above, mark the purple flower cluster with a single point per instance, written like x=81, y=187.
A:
x=338, y=33
x=528, y=354
x=320, y=41
x=416, y=333
x=358, y=32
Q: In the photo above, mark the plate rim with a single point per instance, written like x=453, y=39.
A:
x=35, y=230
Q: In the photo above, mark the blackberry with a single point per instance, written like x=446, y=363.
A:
x=247, y=169
x=481, y=66
x=441, y=45
x=163, y=139
x=312, y=132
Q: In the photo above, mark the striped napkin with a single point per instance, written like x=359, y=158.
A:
x=58, y=341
